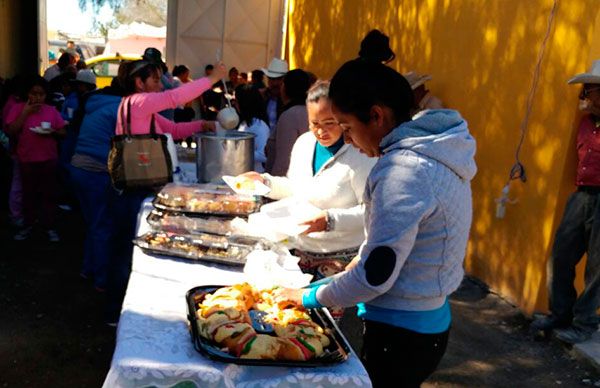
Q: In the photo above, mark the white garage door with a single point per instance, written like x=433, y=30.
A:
x=247, y=33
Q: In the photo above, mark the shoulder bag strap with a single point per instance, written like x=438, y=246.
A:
x=152, y=127
x=124, y=127
x=128, y=128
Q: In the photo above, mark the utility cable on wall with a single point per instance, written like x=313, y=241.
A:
x=518, y=169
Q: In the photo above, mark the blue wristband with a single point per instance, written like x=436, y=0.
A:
x=309, y=298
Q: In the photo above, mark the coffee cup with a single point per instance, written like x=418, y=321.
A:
x=46, y=125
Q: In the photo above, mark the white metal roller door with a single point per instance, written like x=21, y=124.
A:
x=248, y=33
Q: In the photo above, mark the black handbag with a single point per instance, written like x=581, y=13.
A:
x=139, y=161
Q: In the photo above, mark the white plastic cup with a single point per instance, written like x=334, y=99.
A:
x=46, y=125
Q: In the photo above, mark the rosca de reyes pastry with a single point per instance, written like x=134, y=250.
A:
x=223, y=318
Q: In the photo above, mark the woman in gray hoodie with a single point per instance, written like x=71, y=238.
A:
x=418, y=216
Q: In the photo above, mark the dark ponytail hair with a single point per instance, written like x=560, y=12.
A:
x=139, y=69
x=251, y=104
x=359, y=85
x=296, y=84
x=375, y=47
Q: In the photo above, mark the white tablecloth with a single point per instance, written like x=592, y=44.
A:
x=154, y=347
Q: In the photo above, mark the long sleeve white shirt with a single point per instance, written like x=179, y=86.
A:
x=337, y=187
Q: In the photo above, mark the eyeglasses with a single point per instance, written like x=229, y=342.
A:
x=325, y=124
x=586, y=92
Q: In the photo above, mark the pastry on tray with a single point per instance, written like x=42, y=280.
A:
x=224, y=319
x=198, y=199
x=200, y=246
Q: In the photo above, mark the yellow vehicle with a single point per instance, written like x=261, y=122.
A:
x=106, y=67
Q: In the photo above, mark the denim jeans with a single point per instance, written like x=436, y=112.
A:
x=123, y=208
x=578, y=233
x=92, y=190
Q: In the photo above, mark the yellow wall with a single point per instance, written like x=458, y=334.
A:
x=8, y=9
x=18, y=37
x=482, y=56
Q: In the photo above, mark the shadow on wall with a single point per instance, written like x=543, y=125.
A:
x=482, y=56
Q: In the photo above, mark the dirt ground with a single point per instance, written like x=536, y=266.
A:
x=52, y=333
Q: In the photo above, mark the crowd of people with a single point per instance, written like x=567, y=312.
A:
x=308, y=145
x=387, y=166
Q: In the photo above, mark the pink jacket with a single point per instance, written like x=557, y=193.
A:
x=144, y=105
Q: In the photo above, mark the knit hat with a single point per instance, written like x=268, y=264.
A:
x=153, y=55
x=86, y=76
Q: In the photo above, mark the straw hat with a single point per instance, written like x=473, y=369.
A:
x=593, y=77
x=415, y=79
x=277, y=68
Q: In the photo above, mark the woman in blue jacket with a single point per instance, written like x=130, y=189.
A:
x=91, y=180
x=418, y=216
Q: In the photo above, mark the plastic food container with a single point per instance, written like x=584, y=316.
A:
x=337, y=351
x=180, y=223
x=203, y=199
x=203, y=247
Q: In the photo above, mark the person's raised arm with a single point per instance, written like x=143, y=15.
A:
x=16, y=118
x=148, y=103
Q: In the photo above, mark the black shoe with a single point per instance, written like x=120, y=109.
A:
x=549, y=322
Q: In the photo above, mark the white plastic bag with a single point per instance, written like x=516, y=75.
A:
x=282, y=220
x=266, y=269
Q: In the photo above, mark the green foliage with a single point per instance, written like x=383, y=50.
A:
x=97, y=4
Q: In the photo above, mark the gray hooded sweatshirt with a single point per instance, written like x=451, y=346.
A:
x=418, y=216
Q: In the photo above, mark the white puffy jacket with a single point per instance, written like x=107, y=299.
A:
x=337, y=187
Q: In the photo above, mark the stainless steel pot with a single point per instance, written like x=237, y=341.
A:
x=227, y=153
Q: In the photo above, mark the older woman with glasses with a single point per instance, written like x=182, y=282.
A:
x=330, y=175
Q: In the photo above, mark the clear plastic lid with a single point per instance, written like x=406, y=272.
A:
x=205, y=199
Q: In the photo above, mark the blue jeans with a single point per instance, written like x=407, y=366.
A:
x=92, y=191
x=578, y=233
x=123, y=209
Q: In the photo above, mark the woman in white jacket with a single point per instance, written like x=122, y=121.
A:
x=330, y=175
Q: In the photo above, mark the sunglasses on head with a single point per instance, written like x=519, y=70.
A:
x=139, y=66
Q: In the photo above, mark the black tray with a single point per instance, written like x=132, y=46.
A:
x=239, y=260
x=335, y=353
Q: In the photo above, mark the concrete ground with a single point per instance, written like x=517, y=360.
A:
x=52, y=333
x=490, y=346
x=590, y=350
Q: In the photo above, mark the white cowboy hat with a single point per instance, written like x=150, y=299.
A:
x=593, y=77
x=415, y=79
x=277, y=68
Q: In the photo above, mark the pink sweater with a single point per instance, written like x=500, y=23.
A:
x=144, y=105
